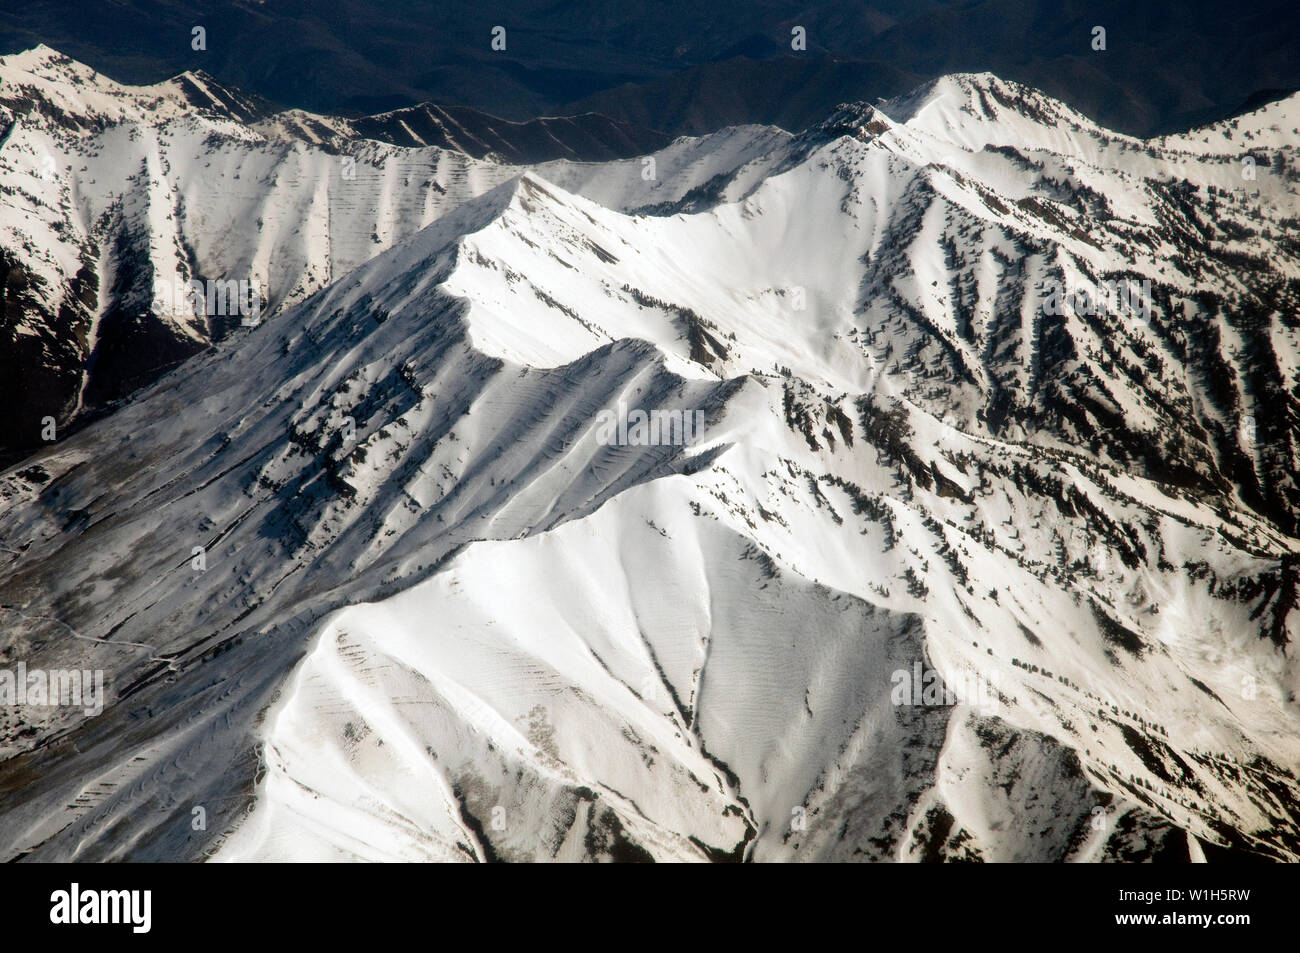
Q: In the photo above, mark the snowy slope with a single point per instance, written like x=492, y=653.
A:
x=119, y=196
x=438, y=616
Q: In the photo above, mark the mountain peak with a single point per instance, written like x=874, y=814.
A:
x=203, y=91
x=982, y=97
x=857, y=120
x=45, y=63
x=978, y=110
x=34, y=57
x=78, y=98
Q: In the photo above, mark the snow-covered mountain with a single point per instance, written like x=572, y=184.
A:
x=113, y=193
x=972, y=556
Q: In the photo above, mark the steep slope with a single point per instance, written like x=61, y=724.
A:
x=118, y=197
x=971, y=558
x=832, y=538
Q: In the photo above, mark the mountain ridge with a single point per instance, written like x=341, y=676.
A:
x=687, y=71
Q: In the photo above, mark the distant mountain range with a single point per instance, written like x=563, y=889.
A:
x=982, y=546
x=686, y=68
